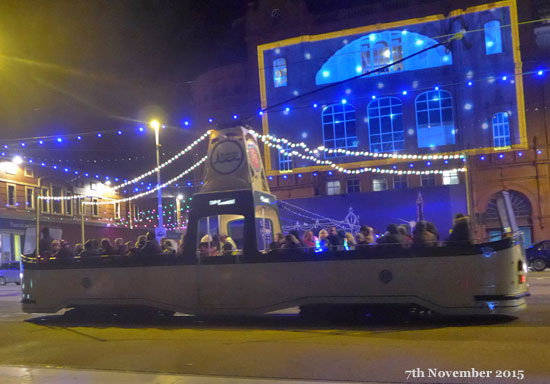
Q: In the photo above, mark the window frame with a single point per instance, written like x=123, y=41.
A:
x=356, y=186
x=443, y=125
x=32, y=205
x=28, y=172
x=492, y=34
x=376, y=182
x=430, y=176
x=68, y=206
x=501, y=125
x=331, y=187
x=450, y=176
x=95, y=207
x=45, y=202
x=348, y=125
x=60, y=201
x=280, y=73
x=285, y=161
x=375, y=114
x=14, y=205
x=401, y=181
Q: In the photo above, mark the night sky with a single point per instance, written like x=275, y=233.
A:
x=70, y=66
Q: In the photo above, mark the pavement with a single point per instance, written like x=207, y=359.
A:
x=23, y=375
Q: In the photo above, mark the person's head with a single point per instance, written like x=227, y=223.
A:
x=65, y=244
x=365, y=230
x=105, y=243
x=150, y=235
x=279, y=237
x=332, y=231
x=360, y=238
x=392, y=229
x=56, y=245
x=89, y=245
x=291, y=239
x=403, y=229
x=323, y=234
x=294, y=233
x=308, y=236
x=78, y=248
x=45, y=231
x=119, y=241
x=420, y=226
x=223, y=237
x=350, y=238
x=430, y=227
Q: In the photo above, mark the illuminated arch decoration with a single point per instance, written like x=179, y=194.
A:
x=379, y=49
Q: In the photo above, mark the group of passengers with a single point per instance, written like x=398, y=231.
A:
x=217, y=245
x=425, y=234
x=145, y=245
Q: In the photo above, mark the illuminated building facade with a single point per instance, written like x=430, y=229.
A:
x=481, y=95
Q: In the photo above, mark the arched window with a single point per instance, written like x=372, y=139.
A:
x=386, y=131
x=279, y=72
x=493, y=38
x=434, y=119
x=339, y=128
x=501, y=130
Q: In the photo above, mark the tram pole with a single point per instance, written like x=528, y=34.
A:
x=37, y=225
x=468, y=196
x=82, y=208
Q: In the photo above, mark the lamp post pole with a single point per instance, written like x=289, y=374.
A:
x=160, y=232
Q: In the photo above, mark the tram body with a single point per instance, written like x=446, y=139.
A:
x=482, y=279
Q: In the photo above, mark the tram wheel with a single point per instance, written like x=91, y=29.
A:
x=538, y=265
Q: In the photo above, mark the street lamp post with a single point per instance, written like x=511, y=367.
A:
x=178, y=211
x=160, y=232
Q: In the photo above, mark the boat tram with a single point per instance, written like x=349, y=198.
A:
x=479, y=279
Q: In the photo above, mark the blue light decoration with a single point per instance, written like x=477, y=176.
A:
x=186, y=123
x=299, y=175
x=315, y=105
x=411, y=165
x=260, y=113
x=491, y=305
x=394, y=167
x=539, y=152
x=119, y=132
x=482, y=158
x=404, y=93
x=470, y=83
x=314, y=173
x=76, y=172
x=235, y=117
x=97, y=176
x=429, y=163
x=344, y=101
x=330, y=173
x=59, y=140
x=3, y=153
x=189, y=184
x=79, y=137
x=99, y=135
x=287, y=109
x=141, y=129
x=210, y=120
x=373, y=97
x=436, y=88
x=87, y=174
x=446, y=161
x=540, y=72
x=285, y=177
x=5, y=146
x=501, y=156
x=520, y=154
x=54, y=167
x=66, y=169
x=43, y=164
x=23, y=144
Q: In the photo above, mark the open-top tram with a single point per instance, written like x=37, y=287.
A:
x=480, y=279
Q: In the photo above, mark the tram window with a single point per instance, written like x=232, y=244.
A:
x=264, y=232
x=211, y=227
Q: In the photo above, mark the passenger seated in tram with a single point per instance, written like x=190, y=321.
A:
x=278, y=242
x=350, y=241
x=45, y=244
x=151, y=246
x=106, y=247
x=360, y=240
x=324, y=243
x=460, y=234
x=392, y=237
x=334, y=238
x=167, y=247
x=404, y=230
x=120, y=247
x=90, y=251
x=64, y=251
x=308, y=240
x=422, y=237
x=291, y=242
x=368, y=233
x=227, y=245
x=78, y=249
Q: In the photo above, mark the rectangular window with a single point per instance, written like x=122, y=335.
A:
x=77, y=207
x=428, y=180
x=285, y=161
x=69, y=204
x=117, y=211
x=379, y=184
x=279, y=72
x=29, y=172
x=501, y=130
x=57, y=206
x=11, y=195
x=95, y=208
x=400, y=182
x=333, y=187
x=493, y=37
x=29, y=198
x=353, y=186
x=45, y=203
x=93, y=186
x=450, y=177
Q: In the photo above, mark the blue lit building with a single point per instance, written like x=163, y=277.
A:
x=461, y=95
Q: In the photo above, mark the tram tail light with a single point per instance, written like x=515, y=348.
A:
x=522, y=279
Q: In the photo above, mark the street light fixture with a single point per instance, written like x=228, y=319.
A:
x=179, y=198
x=160, y=232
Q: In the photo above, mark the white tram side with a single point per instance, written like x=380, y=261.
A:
x=482, y=279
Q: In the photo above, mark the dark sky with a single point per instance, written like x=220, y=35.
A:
x=80, y=65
